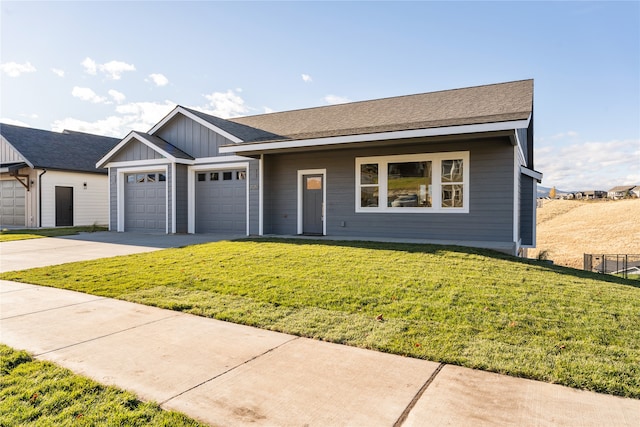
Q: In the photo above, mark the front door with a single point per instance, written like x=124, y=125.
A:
x=312, y=204
x=64, y=206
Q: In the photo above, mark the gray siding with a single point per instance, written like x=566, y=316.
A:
x=527, y=209
x=254, y=197
x=490, y=216
x=135, y=150
x=191, y=137
x=181, y=199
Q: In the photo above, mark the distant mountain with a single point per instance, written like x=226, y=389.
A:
x=544, y=191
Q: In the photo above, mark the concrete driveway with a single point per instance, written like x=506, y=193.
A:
x=24, y=254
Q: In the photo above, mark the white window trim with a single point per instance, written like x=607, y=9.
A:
x=120, y=181
x=191, y=189
x=301, y=174
x=436, y=159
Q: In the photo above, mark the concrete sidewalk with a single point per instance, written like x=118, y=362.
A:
x=228, y=374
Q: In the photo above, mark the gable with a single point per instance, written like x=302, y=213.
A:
x=192, y=137
x=8, y=154
x=135, y=150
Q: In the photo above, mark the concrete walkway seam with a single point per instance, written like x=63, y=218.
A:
x=108, y=335
x=407, y=410
x=228, y=370
x=52, y=308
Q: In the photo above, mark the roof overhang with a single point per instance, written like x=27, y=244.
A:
x=531, y=173
x=190, y=115
x=12, y=167
x=381, y=136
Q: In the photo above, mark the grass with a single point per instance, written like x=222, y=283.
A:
x=467, y=307
x=40, y=393
x=567, y=229
x=37, y=233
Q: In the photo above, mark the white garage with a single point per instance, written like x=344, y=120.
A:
x=145, y=202
x=13, y=203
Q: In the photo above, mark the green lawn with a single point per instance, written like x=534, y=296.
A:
x=36, y=393
x=36, y=233
x=467, y=307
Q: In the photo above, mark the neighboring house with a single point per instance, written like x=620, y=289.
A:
x=50, y=179
x=635, y=191
x=594, y=194
x=619, y=192
x=450, y=166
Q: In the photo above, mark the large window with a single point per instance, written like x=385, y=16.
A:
x=413, y=183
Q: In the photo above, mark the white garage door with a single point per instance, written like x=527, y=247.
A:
x=145, y=204
x=221, y=201
x=12, y=203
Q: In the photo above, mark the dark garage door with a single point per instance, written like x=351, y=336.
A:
x=221, y=201
x=12, y=203
x=145, y=204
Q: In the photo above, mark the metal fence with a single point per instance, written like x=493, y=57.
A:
x=624, y=265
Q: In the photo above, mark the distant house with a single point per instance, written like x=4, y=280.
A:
x=635, y=191
x=594, y=194
x=50, y=179
x=619, y=192
x=449, y=166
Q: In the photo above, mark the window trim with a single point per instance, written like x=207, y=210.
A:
x=436, y=180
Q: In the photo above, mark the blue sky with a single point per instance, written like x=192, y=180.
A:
x=111, y=67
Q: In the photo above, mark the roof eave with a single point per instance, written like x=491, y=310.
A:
x=350, y=139
x=181, y=110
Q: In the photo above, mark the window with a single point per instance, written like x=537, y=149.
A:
x=214, y=176
x=131, y=179
x=434, y=182
x=241, y=175
x=227, y=176
x=162, y=177
x=202, y=177
x=140, y=177
x=151, y=177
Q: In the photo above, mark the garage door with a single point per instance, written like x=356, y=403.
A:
x=221, y=201
x=12, y=203
x=145, y=204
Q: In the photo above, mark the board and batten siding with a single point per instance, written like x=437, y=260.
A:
x=7, y=153
x=491, y=190
x=192, y=137
x=90, y=204
x=528, y=193
x=136, y=150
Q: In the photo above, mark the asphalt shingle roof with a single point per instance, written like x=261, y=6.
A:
x=70, y=151
x=476, y=105
x=164, y=145
x=244, y=132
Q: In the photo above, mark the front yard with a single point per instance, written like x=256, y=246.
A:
x=467, y=307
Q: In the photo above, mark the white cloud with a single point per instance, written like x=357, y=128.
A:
x=86, y=94
x=335, y=99
x=13, y=69
x=8, y=121
x=268, y=110
x=117, y=96
x=112, y=69
x=90, y=66
x=159, y=79
x=58, y=72
x=225, y=104
x=133, y=116
x=597, y=165
x=306, y=78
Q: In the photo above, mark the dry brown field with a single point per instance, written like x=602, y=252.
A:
x=567, y=229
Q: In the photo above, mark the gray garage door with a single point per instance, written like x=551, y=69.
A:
x=145, y=204
x=221, y=201
x=12, y=203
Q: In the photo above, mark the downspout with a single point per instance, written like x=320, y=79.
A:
x=40, y=198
